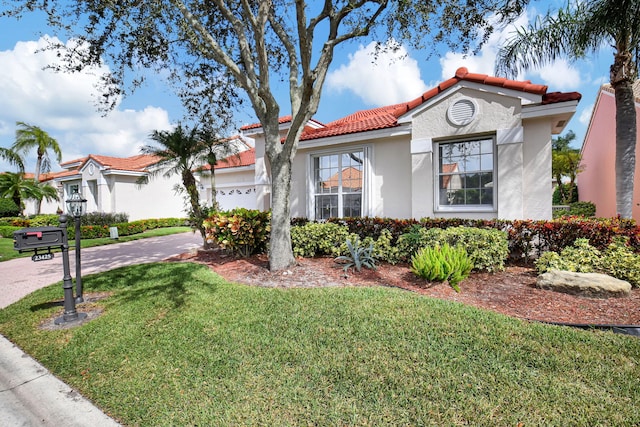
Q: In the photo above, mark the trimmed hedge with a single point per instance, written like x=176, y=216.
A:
x=7, y=231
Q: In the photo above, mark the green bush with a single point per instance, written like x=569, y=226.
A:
x=618, y=260
x=45, y=220
x=317, y=239
x=8, y=208
x=103, y=218
x=442, y=263
x=384, y=250
x=584, y=209
x=7, y=231
x=556, y=199
x=240, y=231
x=487, y=248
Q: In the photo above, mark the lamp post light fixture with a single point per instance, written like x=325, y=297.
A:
x=76, y=206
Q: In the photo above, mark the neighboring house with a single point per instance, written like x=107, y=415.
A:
x=234, y=181
x=475, y=146
x=597, y=181
x=111, y=184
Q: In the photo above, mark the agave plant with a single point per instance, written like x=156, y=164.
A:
x=359, y=256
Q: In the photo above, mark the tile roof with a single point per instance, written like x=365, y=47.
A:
x=137, y=163
x=44, y=177
x=243, y=158
x=281, y=120
x=387, y=117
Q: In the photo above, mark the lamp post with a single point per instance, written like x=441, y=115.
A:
x=76, y=206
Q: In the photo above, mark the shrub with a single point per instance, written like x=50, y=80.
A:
x=487, y=249
x=618, y=260
x=103, y=218
x=442, y=263
x=359, y=256
x=8, y=208
x=557, y=199
x=384, y=250
x=583, y=209
x=45, y=220
x=241, y=231
x=313, y=239
x=7, y=231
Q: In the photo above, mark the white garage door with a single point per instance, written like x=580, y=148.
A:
x=236, y=197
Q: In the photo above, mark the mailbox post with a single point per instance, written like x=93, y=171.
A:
x=76, y=207
x=70, y=312
x=32, y=239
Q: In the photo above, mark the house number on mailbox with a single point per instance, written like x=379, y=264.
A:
x=42, y=257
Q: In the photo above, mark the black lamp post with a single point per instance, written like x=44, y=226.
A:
x=76, y=205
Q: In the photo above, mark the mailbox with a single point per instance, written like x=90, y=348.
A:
x=37, y=237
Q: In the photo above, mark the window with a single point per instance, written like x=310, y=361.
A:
x=465, y=174
x=337, y=184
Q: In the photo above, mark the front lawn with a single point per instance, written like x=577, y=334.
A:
x=177, y=345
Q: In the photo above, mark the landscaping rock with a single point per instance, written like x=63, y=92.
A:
x=593, y=285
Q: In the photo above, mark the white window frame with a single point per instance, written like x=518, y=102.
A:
x=440, y=208
x=365, y=193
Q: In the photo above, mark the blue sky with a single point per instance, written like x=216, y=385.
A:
x=63, y=105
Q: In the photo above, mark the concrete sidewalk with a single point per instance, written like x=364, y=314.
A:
x=29, y=394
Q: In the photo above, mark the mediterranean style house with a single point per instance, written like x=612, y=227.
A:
x=111, y=184
x=474, y=146
x=597, y=181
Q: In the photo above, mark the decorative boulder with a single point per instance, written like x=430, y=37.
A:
x=593, y=285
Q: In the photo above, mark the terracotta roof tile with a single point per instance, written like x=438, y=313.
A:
x=386, y=117
x=243, y=158
x=281, y=120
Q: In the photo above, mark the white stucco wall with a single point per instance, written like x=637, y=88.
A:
x=498, y=116
x=537, y=169
x=235, y=188
x=157, y=199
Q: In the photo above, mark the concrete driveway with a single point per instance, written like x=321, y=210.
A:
x=19, y=277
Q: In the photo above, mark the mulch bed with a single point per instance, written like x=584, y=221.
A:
x=511, y=292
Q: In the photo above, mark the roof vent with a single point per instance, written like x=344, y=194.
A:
x=462, y=112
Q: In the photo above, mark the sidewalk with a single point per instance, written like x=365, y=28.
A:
x=29, y=394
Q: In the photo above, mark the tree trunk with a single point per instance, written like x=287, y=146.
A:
x=189, y=182
x=37, y=180
x=280, y=251
x=625, y=147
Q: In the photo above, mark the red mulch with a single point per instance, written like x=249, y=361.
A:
x=511, y=292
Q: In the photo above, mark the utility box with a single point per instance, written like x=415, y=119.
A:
x=29, y=239
x=113, y=232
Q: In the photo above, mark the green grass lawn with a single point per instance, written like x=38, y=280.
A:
x=7, y=252
x=177, y=345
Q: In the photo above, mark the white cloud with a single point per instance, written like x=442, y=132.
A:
x=559, y=75
x=391, y=78
x=585, y=116
x=64, y=106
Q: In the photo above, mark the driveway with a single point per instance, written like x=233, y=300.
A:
x=19, y=277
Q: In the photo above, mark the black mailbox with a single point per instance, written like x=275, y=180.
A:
x=37, y=237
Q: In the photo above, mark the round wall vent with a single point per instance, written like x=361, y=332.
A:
x=462, y=112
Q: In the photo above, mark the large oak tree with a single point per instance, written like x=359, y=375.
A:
x=218, y=52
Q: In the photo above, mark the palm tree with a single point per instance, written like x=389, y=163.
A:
x=580, y=29
x=217, y=149
x=565, y=163
x=29, y=137
x=180, y=152
x=12, y=157
x=15, y=186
